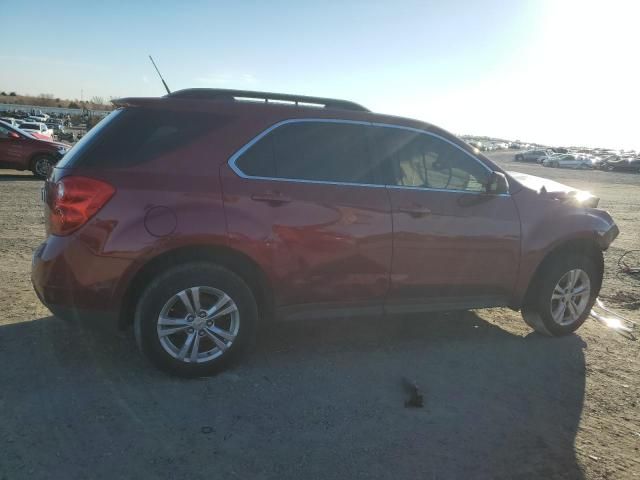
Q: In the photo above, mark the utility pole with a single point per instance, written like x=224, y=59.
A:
x=81, y=94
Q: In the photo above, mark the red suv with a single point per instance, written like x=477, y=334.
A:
x=202, y=214
x=19, y=150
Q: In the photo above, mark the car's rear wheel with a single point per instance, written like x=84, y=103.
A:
x=194, y=319
x=519, y=158
x=41, y=165
x=561, y=297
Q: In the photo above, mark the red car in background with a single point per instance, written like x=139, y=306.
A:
x=20, y=150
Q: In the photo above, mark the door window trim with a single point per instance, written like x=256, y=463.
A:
x=234, y=158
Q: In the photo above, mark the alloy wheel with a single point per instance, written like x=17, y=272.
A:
x=198, y=324
x=570, y=297
x=43, y=167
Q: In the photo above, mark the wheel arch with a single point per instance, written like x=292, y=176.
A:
x=234, y=260
x=581, y=246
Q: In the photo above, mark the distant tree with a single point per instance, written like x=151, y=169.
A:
x=73, y=105
x=3, y=94
x=92, y=122
x=46, y=96
x=97, y=100
x=12, y=94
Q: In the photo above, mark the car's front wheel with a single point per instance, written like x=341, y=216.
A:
x=561, y=297
x=41, y=165
x=192, y=320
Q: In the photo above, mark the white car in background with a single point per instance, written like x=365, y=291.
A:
x=37, y=127
x=568, y=160
x=10, y=120
x=40, y=117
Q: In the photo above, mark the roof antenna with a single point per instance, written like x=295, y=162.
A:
x=160, y=75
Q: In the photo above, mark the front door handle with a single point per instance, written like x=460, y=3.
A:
x=416, y=211
x=273, y=198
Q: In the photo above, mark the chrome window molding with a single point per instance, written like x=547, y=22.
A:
x=234, y=158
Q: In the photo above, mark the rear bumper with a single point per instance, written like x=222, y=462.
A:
x=73, y=282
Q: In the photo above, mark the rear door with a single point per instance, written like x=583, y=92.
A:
x=454, y=244
x=301, y=199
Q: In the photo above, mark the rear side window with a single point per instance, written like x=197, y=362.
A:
x=316, y=151
x=135, y=135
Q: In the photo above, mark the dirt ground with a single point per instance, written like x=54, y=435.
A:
x=324, y=399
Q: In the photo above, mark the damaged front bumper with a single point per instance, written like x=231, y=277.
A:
x=608, y=236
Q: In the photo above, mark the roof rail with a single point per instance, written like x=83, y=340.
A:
x=266, y=97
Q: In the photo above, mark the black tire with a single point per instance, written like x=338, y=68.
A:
x=170, y=283
x=41, y=165
x=518, y=158
x=537, y=309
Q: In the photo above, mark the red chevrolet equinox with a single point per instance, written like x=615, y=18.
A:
x=198, y=216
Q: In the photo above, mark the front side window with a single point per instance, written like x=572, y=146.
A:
x=315, y=151
x=414, y=159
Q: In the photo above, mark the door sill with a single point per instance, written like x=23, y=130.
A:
x=329, y=311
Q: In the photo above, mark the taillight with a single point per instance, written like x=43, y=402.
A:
x=74, y=200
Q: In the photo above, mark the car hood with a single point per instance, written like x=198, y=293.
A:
x=555, y=189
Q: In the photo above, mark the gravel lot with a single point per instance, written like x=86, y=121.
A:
x=324, y=399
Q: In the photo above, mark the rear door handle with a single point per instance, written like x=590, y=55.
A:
x=273, y=198
x=416, y=211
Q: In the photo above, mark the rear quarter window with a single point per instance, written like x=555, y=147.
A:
x=133, y=136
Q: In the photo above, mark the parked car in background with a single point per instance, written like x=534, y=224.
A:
x=563, y=160
x=621, y=164
x=39, y=128
x=536, y=156
x=9, y=120
x=65, y=135
x=302, y=207
x=476, y=144
x=40, y=117
x=19, y=150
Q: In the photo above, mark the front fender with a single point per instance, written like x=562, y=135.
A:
x=549, y=224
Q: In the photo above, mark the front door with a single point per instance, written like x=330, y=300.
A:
x=454, y=245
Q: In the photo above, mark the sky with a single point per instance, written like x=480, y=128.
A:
x=561, y=72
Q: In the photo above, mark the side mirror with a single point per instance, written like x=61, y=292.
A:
x=497, y=184
x=14, y=135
